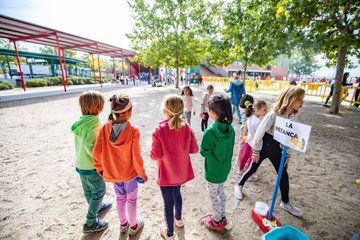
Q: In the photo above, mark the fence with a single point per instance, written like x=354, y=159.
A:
x=321, y=90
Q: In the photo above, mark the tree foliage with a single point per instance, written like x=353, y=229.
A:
x=169, y=33
x=303, y=63
x=250, y=32
x=53, y=51
x=332, y=27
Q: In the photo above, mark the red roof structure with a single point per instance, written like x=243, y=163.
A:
x=18, y=30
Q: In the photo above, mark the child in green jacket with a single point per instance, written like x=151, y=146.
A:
x=86, y=129
x=217, y=148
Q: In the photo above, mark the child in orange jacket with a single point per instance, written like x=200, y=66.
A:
x=118, y=159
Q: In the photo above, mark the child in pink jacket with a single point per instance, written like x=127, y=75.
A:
x=172, y=142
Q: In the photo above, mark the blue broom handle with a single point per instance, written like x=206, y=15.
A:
x=281, y=167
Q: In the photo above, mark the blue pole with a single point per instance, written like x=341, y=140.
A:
x=281, y=167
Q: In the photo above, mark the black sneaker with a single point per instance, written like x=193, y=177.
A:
x=98, y=226
x=325, y=105
x=104, y=207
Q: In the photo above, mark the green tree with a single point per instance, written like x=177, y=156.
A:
x=249, y=33
x=169, y=32
x=303, y=64
x=53, y=51
x=332, y=26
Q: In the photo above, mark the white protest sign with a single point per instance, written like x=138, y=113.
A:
x=292, y=134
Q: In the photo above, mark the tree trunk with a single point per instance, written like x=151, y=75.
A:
x=245, y=68
x=177, y=70
x=338, y=80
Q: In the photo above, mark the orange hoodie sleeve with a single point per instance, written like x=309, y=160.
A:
x=97, y=151
x=138, y=162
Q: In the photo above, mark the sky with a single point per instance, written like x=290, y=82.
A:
x=105, y=21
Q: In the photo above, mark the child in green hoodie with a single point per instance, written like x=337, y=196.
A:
x=217, y=148
x=86, y=129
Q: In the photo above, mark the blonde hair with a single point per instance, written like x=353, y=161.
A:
x=287, y=98
x=91, y=102
x=173, y=105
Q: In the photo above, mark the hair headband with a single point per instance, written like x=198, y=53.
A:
x=247, y=103
x=128, y=106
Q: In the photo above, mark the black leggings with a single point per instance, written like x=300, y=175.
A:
x=172, y=205
x=204, y=122
x=271, y=149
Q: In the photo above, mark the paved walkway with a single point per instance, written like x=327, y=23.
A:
x=30, y=93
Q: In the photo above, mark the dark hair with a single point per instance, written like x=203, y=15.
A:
x=245, y=98
x=118, y=102
x=210, y=86
x=238, y=72
x=188, y=88
x=222, y=108
x=293, y=82
x=250, y=108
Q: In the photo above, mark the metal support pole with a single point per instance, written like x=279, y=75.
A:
x=139, y=70
x=281, y=167
x=113, y=60
x=149, y=74
x=97, y=52
x=93, y=66
x=19, y=65
x=122, y=63
x=66, y=69
x=60, y=62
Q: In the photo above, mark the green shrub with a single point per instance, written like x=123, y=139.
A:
x=6, y=86
x=54, y=81
x=36, y=83
x=77, y=80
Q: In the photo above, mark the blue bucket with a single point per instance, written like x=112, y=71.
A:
x=285, y=233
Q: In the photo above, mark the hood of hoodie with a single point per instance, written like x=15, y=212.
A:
x=223, y=132
x=86, y=122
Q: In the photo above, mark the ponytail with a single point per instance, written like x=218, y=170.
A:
x=173, y=105
x=249, y=108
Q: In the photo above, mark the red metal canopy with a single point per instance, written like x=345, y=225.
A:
x=18, y=30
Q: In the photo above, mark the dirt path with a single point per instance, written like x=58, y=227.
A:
x=41, y=195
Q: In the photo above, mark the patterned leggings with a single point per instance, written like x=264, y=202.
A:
x=217, y=199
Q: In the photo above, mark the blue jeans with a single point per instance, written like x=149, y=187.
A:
x=237, y=110
x=94, y=190
x=172, y=198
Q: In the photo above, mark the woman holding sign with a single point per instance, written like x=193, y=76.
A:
x=264, y=146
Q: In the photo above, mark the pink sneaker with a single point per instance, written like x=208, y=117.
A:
x=212, y=225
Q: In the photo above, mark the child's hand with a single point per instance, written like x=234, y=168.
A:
x=145, y=179
x=287, y=162
x=255, y=157
x=201, y=115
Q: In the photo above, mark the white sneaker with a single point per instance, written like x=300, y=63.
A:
x=253, y=178
x=238, y=192
x=140, y=225
x=291, y=209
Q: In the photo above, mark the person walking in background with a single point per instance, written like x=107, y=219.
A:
x=217, y=148
x=172, y=142
x=204, y=107
x=343, y=84
x=237, y=90
x=117, y=157
x=187, y=96
x=85, y=130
